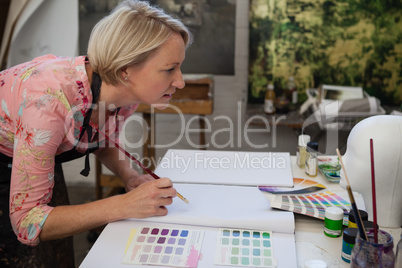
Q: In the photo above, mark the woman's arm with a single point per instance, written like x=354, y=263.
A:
x=148, y=199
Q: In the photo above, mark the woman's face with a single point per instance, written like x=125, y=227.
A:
x=155, y=81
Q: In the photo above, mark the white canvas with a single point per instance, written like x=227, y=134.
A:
x=227, y=167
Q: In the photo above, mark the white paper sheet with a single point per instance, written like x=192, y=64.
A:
x=227, y=167
x=226, y=206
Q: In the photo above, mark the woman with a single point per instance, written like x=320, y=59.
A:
x=52, y=110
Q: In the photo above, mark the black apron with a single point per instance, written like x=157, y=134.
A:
x=55, y=253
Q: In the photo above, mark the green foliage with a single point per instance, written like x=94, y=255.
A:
x=344, y=42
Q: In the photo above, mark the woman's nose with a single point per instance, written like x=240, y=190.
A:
x=179, y=81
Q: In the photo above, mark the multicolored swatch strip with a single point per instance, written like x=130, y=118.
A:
x=250, y=248
x=313, y=205
x=300, y=186
x=164, y=246
x=307, y=197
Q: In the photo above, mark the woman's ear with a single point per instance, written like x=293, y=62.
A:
x=124, y=73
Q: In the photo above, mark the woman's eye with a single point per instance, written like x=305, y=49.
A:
x=170, y=70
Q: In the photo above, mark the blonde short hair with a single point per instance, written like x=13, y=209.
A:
x=132, y=32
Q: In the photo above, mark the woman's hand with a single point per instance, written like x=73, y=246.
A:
x=135, y=180
x=149, y=199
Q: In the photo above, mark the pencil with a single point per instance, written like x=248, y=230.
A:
x=156, y=177
x=356, y=212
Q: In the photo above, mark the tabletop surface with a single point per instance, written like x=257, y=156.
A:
x=311, y=242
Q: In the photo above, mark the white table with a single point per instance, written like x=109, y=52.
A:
x=311, y=243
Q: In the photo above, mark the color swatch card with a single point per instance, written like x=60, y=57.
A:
x=307, y=197
x=248, y=248
x=164, y=247
x=313, y=205
x=300, y=186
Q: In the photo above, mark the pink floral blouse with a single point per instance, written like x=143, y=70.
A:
x=43, y=105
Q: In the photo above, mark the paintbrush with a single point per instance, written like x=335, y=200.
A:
x=356, y=212
x=156, y=177
x=373, y=192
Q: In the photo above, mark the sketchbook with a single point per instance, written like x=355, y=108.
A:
x=213, y=210
x=226, y=206
x=227, y=167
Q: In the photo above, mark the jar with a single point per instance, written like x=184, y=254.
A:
x=333, y=221
x=348, y=242
x=281, y=105
x=352, y=220
x=398, y=256
x=369, y=225
x=301, y=153
x=366, y=253
x=311, y=159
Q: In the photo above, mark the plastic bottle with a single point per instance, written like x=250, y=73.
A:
x=269, y=107
x=333, y=221
x=348, y=241
x=301, y=150
x=292, y=91
x=311, y=159
x=282, y=104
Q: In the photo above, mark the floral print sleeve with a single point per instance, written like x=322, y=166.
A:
x=33, y=171
x=43, y=103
